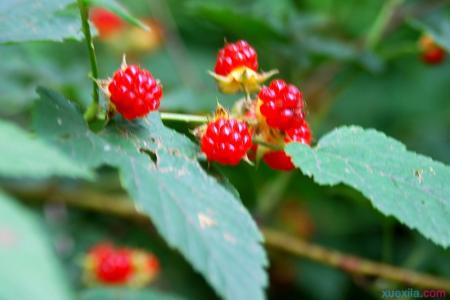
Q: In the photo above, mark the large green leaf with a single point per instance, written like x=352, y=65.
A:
x=158, y=167
x=21, y=155
x=411, y=187
x=29, y=269
x=38, y=20
x=125, y=294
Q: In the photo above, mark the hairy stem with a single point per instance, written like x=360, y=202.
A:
x=122, y=206
x=92, y=110
x=351, y=264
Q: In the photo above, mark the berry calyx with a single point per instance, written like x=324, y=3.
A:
x=106, y=23
x=134, y=92
x=236, y=55
x=226, y=141
x=280, y=104
x=278, y=160
x=236, y=68
x=114, y=267
x=431, y=52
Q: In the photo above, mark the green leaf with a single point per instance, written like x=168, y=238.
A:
x=411, y=187
x=21, y=155
x=38, y=20
x=29, y=269
x=119, y=10
x=158, y=167
x=125, y=294
x=236, y=22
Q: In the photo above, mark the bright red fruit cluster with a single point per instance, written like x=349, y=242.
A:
x=108, y=265
x=226, y=141
x=278, y=159
x=134, y=92
x=236, y=55
x=281, y=104
x=274, y=118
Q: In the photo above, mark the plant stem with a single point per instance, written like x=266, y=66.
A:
x=122, y=206
x=350, y=263
x=92, y=110
x=183, y=118
x=381, y=22
x=268, y=145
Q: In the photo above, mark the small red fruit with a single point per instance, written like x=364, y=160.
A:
x=278, y=160
x=431, y=52
x=236, y=55
x=114, y=267
x=281, y=104
x=434, y=56
x=134, y=92
x=226, y=141
x=106, y=23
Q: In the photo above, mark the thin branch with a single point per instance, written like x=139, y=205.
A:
x=183, y=117
x=382, y=21
x=350, y=263
x=123, y=207
x=92, y=110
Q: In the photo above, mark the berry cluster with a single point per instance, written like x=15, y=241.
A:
x=275, y=117
x=104, y=264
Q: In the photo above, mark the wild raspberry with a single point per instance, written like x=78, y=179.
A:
x=280, y=104
x=226, y=141
x=434, y=56
x=236, y=55
x=114, y=267
x=106, y=23
x=134, y=92
x=278, y=160
x=432, y=53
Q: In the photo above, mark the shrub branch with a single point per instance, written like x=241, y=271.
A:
x=122, y=206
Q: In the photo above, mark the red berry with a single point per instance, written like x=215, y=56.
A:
x=101, y=250
x=134, y=92
x=152, y=263
x=226, y=141
x=106, y=22
x=434, y=56
x=278, y=160
x=281, y=104
x=114, y=267
x=235, y=55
